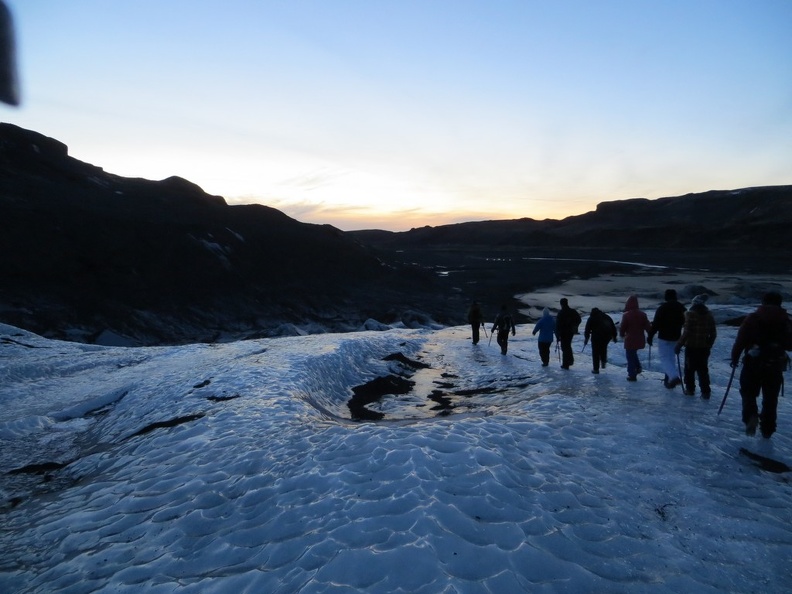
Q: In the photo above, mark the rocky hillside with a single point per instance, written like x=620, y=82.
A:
x=91, y=256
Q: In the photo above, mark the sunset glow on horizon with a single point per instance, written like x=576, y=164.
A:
x=395, y=115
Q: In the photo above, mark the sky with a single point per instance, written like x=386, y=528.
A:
x=236, y=468
x=399, y=114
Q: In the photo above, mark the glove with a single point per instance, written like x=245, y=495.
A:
x=677, y=349
x=514, y=333
x=735, y=363
x=615, y=340
x=649, y=341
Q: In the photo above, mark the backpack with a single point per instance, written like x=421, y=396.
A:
x=605, y=326
x=770, y=351
x=503, y=323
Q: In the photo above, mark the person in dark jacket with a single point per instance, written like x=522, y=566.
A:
x=633, y=328
x=567, y=322
x=698, y=336
x=600, y=329
x=763, y=339
x=476, y=320
x=545, y=327
x=503, y=324
x=667, y=325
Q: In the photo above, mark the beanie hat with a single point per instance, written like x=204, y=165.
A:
x=670, y=295
x=564, y=301
x=700, y=299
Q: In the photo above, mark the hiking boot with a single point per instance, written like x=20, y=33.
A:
x=632, y=378
x=595, y=371
x=706, y=395
x=674, y=382
x=750, y=426
x=767, y=434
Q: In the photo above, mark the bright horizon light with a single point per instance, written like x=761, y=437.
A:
x=396, y=115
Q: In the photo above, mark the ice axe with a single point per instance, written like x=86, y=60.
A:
x=731, y=378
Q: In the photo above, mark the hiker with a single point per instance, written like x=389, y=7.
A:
x=633, y=328
x=567, y=322
x=546, y=329
x=600, y=329
x=764, y=337
x=504, y=324
x=698, y=336
x=476, y=320
x=667, y=325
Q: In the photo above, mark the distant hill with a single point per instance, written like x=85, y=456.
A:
x=751, y=218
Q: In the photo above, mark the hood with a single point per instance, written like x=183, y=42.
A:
x=632, y=303
x=545, y=313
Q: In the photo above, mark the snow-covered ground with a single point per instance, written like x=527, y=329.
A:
x=237, y=468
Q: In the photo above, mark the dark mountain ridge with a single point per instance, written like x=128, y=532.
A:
x=95, y=257
x=750, y=218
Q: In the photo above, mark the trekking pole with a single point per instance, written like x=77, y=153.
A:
x=485, y=330
x=490, y=337
x=585, y=342
x=679, y=367
x=558, y=351
x=649, y=364
x=727, y=389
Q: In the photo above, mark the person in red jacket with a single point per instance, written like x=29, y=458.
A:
x=633, y=329
x=763, y=339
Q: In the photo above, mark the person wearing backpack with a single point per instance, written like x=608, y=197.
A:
x=476, y=320
x=763, y=339
x=546, y=329
x=634, y=325
x=503, y=324
x=667, y=324
x=567, y=322
x=698, y=336
x=601, y=330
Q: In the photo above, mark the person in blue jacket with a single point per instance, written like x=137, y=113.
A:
x=545, y=327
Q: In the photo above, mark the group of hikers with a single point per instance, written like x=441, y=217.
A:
x=762, y=341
